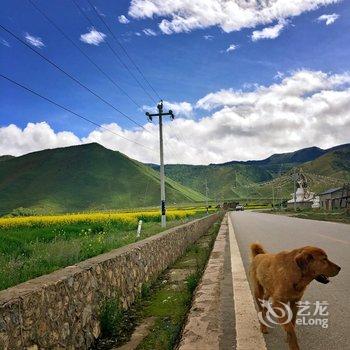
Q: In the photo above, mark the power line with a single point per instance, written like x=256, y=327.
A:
x=71, y=77
x=114, y=52
x=83, y=53
x=128, y=55
x=72, y=112
x=130, y=58
x=123, y=48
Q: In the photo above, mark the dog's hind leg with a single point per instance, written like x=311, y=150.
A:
x=259, y=296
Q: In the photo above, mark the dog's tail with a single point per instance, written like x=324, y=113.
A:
x=256, y=249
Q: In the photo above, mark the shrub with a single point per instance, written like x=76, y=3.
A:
x=192, y=282
x=111, y=318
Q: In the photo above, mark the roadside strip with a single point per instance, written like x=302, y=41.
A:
x=248, y=335
x=202, y=330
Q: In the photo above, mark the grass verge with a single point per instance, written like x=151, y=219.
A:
x=29, y=252
x=316, y=214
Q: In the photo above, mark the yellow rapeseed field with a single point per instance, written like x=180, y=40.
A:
x=124, y=219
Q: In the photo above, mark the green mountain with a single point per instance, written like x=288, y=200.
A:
x=86, y=177
x=91, y=177
x=222, y=179
x=6, y=157
x=334, y=163
x=258, y=179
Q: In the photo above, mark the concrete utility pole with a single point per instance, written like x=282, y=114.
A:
x=295, y=189
x=206, y=196
x=160, y=114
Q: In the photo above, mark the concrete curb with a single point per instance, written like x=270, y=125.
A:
x=202, y=330
x=248, y=334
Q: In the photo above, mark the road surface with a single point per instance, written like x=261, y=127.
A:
x=278, y=233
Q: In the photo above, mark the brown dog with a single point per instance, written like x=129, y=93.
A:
x=283, y=277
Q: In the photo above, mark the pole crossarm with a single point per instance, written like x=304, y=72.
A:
x=158, y=115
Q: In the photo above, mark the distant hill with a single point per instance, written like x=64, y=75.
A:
x=6, y=157
x=221, y=178
x=335, y=163
x=91, y=177
x=256, y=178
x=283, y=161
x=85, y=177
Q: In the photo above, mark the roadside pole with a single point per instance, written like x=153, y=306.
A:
x=295, y=189
x=160, y=115
x=206, y=196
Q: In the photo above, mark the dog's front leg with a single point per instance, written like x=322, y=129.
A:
x=294, y=308
x=288, y=326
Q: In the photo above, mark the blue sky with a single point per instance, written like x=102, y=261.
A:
x=183, y=67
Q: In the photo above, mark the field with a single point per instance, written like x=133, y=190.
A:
x=37, y=245
x=315, y=214
x=335, y=215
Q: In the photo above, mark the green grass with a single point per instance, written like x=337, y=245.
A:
x=112, y=317
x=29, y=252
x=315, y=214
x=335, y=215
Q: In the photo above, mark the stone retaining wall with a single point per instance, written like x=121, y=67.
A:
x=61, y=310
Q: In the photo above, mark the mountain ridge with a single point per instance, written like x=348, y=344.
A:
x=82, y=177
x=92, y=177
x=250, y=179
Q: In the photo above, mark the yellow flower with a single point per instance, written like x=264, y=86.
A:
x=124, y=218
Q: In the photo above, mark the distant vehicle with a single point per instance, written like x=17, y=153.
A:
x=239, y=207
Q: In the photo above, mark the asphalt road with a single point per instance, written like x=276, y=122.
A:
x=278, y=233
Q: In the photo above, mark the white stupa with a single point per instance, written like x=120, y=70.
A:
x=303, y=197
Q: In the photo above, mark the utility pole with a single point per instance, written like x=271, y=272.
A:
x=160, y=115
x=280, y=188
x=273, y=196
x=206, y=196
x=295, y=189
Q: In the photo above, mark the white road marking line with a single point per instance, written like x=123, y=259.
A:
x=248, y=334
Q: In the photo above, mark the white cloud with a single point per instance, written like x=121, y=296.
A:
x=123, y=20
x=99, y=11
x=328, y=19
x=304, y=109
x=137, y=33
x=4, y=42
x=232, y=47
x=34, y=40
x=278, y=75
x=34, y=137
x=149, y=32
x=208, y=37
x=234, y=15
x=93, y=37
x=269, y=32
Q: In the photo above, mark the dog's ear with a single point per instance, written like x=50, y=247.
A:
x=303, y=259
